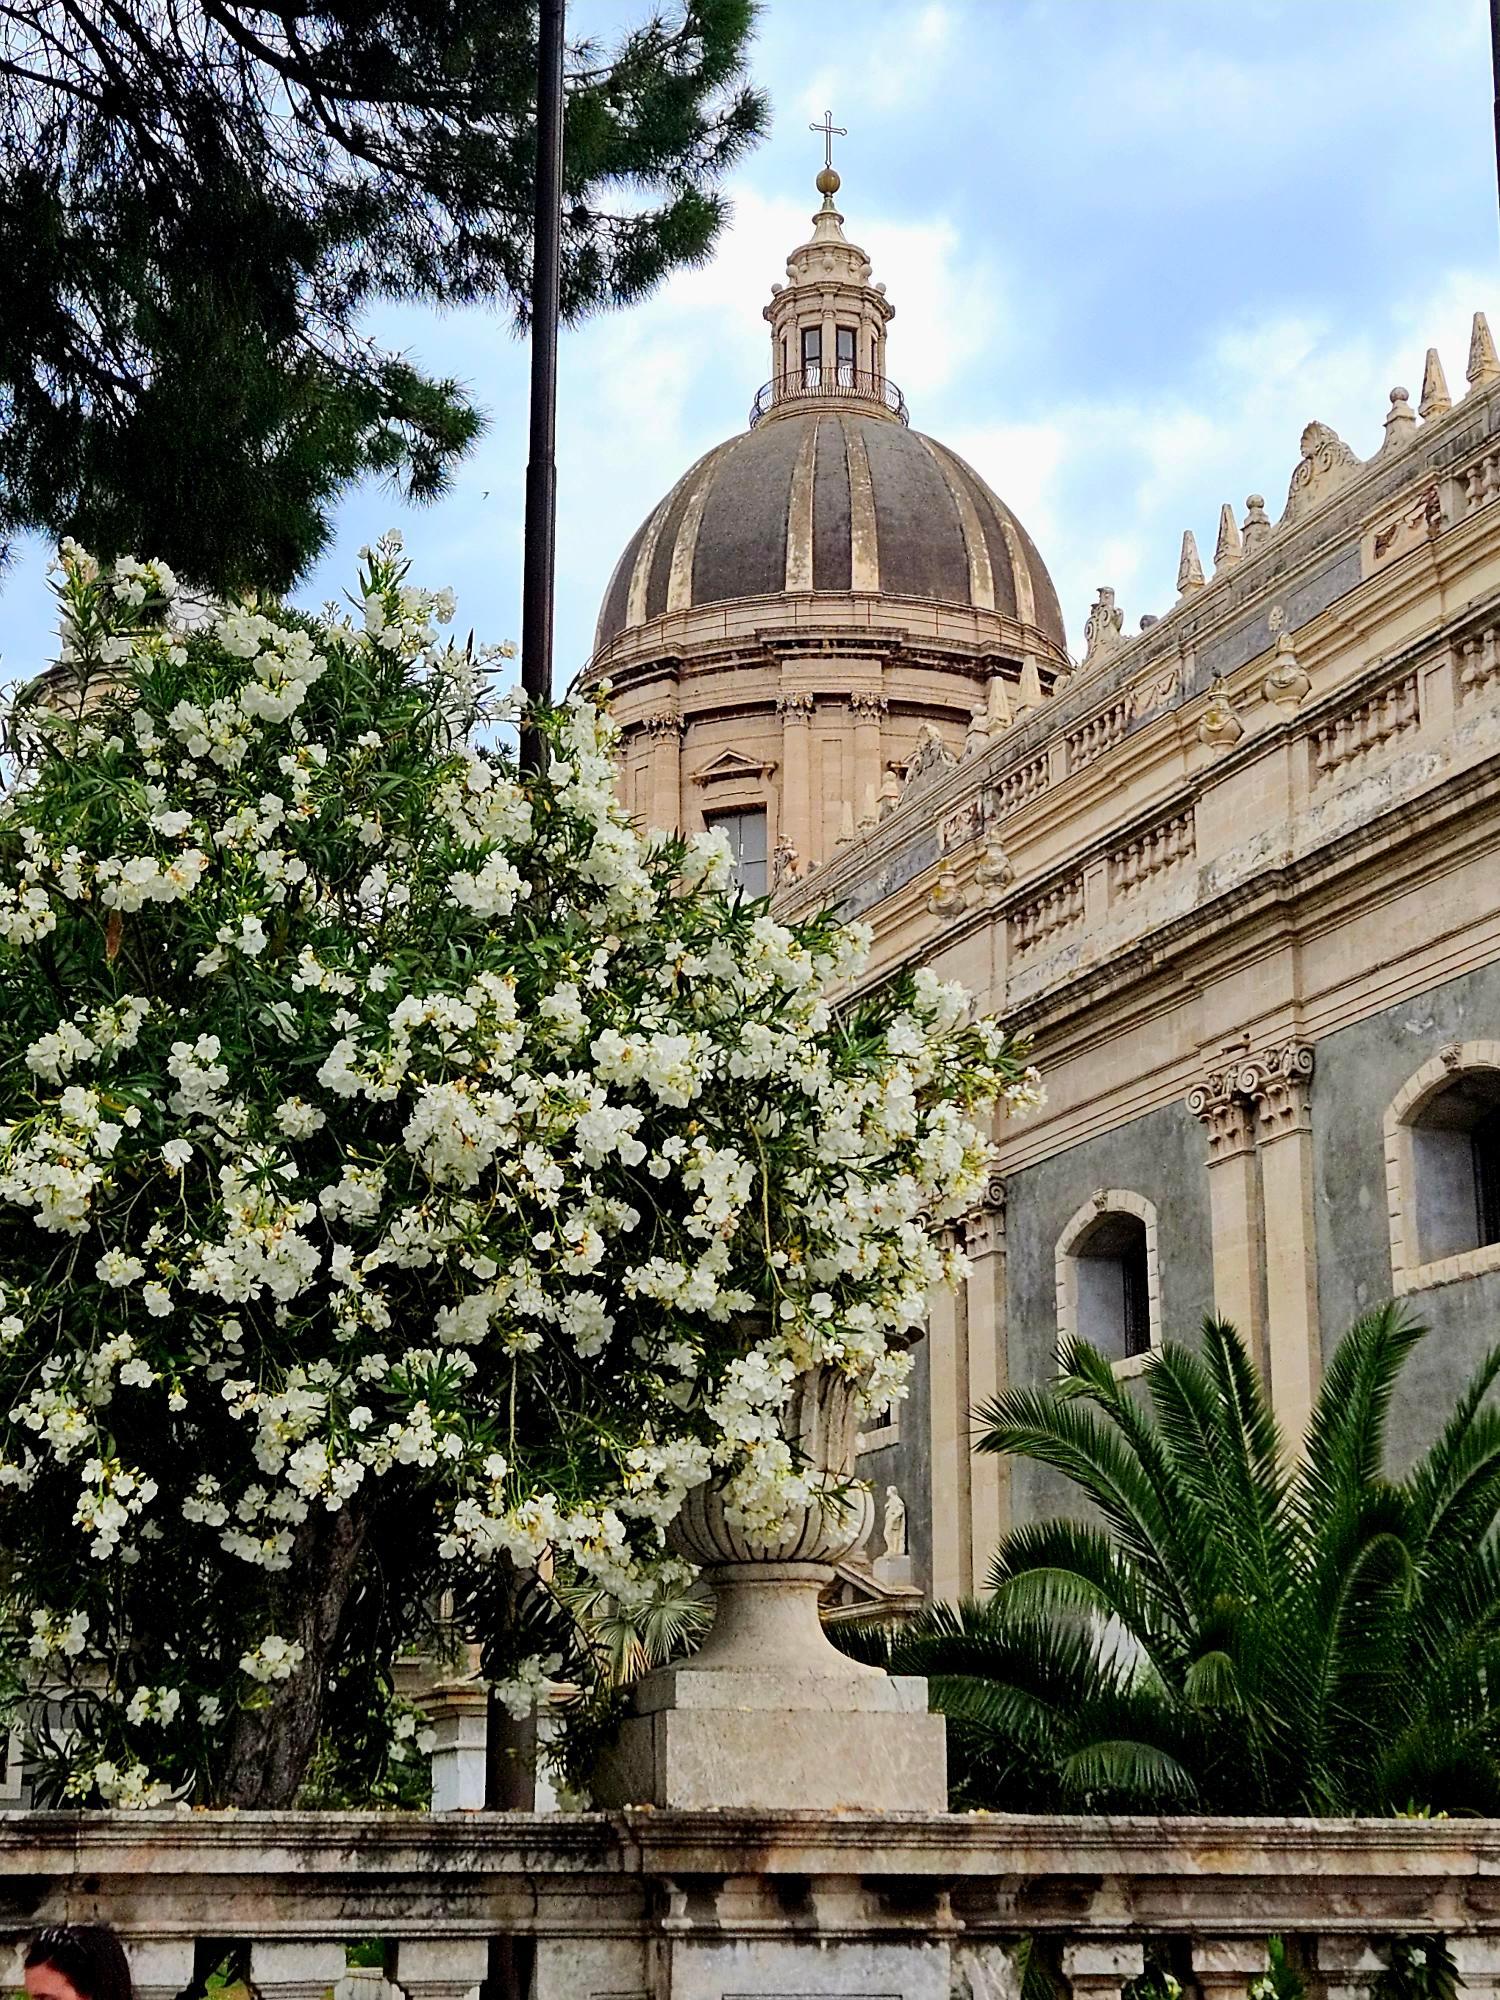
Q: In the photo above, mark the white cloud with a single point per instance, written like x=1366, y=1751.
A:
x=1106, y=487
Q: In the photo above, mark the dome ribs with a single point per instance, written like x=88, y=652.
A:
x=742, y=537
x=922, y=552
x=831, y=509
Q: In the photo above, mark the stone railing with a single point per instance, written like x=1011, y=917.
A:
x=643, y=1905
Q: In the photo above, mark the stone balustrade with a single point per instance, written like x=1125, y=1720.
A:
x=680, y=1905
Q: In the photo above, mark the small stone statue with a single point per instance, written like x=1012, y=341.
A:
x=895, y=1522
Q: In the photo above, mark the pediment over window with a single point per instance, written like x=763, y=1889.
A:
x=856, y=1594
x=730, y=764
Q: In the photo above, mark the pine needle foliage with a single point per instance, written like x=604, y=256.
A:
x=200, y=202
x=1226, y=1628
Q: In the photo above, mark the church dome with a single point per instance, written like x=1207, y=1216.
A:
x=830, y=498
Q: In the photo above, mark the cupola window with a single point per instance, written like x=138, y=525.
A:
x=812, y=357
x=845, y=336
x=746, y=834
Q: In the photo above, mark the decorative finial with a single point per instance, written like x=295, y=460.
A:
x=1190, y=568
x=1103, y=628
x=828, y=182
x=1219, y=727
x=1229, y=549
x=1255, y=529
x=1400, y=421
x=1436, y=402
x=1484, y=363
x=1287, y=684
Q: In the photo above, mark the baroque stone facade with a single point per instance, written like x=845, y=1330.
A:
x=1235, y=873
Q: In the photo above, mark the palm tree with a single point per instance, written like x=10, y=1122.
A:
x=1228, y=1631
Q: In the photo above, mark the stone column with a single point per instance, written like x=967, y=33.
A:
x=458, y=1711
x=1282, y=1098
x=450, y=1968
x=1098, y=1969
x=664, y=731
x=295, y=1968
x=867, y=709
x=989, y=1373
x=795, y=821
x=1234, y=1206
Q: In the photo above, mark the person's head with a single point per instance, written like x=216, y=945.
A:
x=77, y=1962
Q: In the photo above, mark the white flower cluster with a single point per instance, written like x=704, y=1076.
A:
x=415, y=1129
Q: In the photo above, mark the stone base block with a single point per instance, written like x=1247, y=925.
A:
x=760, y=1741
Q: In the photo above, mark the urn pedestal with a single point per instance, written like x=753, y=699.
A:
x=768, y=1713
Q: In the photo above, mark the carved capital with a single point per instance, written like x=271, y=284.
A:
x=664, y=722
x=984, y=1224
x=1254, y=1096
x=1279, y=1084
x=795, y=705
x=868, y=707
x=1227, y=1119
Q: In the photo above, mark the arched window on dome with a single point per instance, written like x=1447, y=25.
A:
x=1108, y=1278
x=845, y=338
x=812, y=357
x=1442, y=1152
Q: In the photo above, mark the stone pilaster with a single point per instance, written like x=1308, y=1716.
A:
x=1282, y=1095
x=664, y=732
x=989, y=1373
x=867, y=710
x=795, y=821
x=952, y=1460
x=1256, y=1107
x=1234, y=1205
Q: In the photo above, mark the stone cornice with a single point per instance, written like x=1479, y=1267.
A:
x=742, y=629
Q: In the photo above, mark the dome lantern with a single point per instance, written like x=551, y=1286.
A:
x=828, y=321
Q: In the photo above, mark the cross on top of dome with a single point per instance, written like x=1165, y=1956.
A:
x=828, y=182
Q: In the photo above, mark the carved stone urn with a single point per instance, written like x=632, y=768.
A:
x=768, y=1713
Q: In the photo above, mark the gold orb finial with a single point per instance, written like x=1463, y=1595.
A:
x=828, y=182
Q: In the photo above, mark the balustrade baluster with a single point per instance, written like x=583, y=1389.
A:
x=442, y=1968
x=296, y=1968
x=1351, y=1965
x=1225, y=1967
x=1099, y=1968
x=160, y=1967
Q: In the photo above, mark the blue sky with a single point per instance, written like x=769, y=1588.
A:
x=1133, y=246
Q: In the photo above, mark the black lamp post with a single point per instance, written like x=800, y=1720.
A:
x=540, y=559
x=509, y=1774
